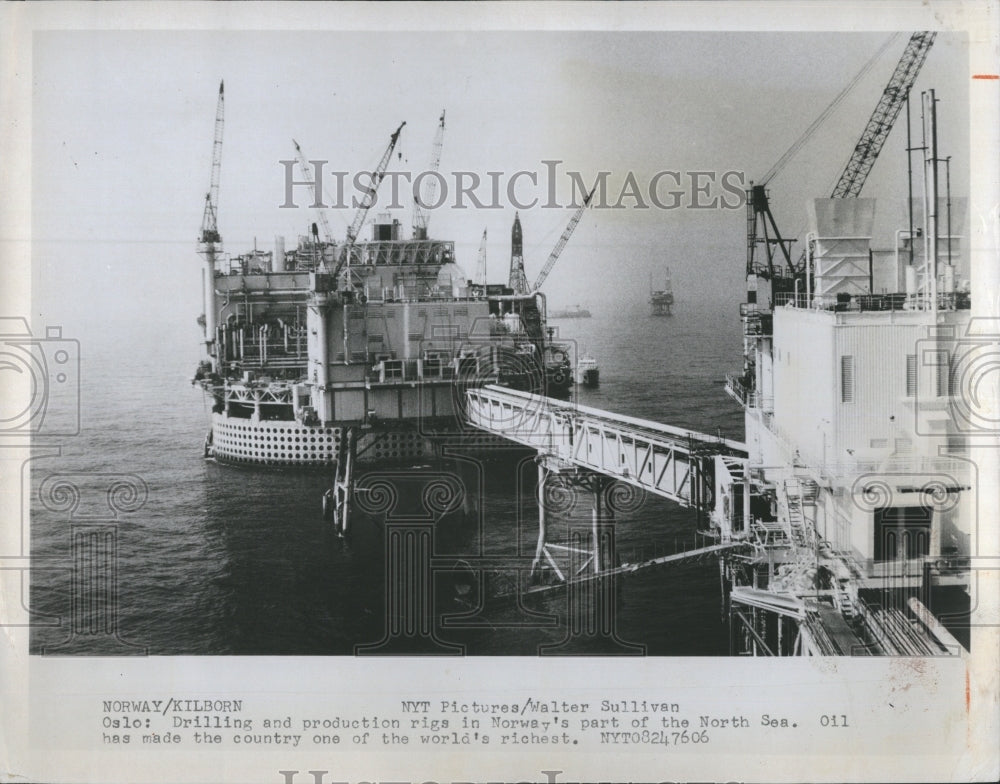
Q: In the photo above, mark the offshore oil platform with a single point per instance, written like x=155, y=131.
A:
x=661, y=300
x=360, y=346
x=843, y=525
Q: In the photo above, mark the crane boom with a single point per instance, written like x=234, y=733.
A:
x=421, y=217
x=869, y=145
x=210, y=241
x=367, y=201
x=369, y=198
x=209, y=220
x=873, y=137
x=558, y=249
x=481, y=266
x=304, y=165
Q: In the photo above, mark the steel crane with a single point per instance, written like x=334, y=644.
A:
x=421, y=203
x=210, y=241
x=367, y=201
x=558, y=249
x=321, y=216
x=369, y=198
x=209, y=221
x=761, y=227
x=852, y=179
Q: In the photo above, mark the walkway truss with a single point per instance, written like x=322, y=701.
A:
x=597, y=449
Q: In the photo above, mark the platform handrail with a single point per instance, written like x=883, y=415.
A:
x=553, y=405
x=667, y=461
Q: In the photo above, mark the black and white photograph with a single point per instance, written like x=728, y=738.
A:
x=501, y=391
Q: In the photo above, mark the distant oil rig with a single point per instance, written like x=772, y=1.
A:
x=661, y=300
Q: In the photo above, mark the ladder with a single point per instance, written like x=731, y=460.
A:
x=798, y=494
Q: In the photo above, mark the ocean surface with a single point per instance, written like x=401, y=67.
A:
x=194, y=557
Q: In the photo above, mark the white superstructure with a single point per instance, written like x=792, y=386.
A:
x=860, y=494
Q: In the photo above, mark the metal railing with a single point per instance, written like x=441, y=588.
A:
x=867, y=303
x=666, y=461
x=797, y=454
x=743, y=394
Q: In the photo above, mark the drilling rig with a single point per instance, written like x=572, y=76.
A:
x=517, y=280
x=481, y=264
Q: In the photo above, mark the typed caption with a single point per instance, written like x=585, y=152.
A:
x=429, y=723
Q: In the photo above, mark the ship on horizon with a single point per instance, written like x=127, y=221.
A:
x=574, y=312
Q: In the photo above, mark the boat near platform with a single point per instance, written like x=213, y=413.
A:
x=588, y=373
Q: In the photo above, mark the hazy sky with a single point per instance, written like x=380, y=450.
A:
x=123, y=122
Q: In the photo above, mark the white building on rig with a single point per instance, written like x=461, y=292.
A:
x=860, y=491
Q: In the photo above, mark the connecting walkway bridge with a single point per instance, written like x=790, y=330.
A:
x=666, y=461
x=607, y=456
x=597, y=450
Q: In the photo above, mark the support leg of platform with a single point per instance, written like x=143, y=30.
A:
x=336, y=500
x=746, y=497
x=345, y=486
x=601, y=514
x=542, y=521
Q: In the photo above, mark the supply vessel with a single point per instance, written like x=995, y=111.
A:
x=574, y=312
x=588, y=373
